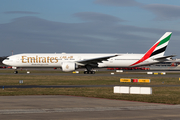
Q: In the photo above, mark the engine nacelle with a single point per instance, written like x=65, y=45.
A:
x=68, y=66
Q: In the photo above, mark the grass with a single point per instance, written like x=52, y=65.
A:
x=79, y=80
x=167, y=95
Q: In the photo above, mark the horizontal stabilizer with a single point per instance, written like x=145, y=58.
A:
x=164, y=57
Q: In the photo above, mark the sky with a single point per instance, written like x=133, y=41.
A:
x=87, y=26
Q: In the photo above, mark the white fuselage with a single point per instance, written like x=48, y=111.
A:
x=70, y=62
x=56, y=60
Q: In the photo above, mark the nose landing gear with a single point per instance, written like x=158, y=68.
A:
x=15, y=72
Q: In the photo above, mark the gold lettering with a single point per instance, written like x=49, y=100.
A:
x=23, y=57
x=31, y=59
x=43, y=59
x=36, y=59
x=51, y=59
x=40, y=59
x=28, y=59
x=56, y=58
x=70, y=57
x=64, y=57
x=48, y=59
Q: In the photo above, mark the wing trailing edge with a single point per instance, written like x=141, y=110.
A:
x=95, y=60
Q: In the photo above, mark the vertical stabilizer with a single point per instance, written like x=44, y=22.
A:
x=157, y=50
x=160, y=45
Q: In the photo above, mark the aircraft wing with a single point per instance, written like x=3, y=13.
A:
x=95, y=60
x=162, y=58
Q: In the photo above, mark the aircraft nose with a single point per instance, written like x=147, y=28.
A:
x=4, y=62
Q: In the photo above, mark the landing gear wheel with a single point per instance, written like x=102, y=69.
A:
x=89, y=72
x=16, y=72
x=92, y=72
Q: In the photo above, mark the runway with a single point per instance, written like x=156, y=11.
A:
x=62, y=107
x=125, y=74
x=45, y=107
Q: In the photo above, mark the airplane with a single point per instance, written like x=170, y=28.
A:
x=70, y=62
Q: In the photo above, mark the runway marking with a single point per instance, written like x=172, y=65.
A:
x=27, y=111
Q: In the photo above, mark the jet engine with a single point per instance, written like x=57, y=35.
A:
x=68, y=66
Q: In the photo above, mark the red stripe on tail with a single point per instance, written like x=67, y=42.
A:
x=147, y=55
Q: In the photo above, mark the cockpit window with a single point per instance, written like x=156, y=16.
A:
x=7, y=59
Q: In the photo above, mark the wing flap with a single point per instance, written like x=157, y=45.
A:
x=95, y=60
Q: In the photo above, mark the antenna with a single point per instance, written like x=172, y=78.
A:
x=12, y=52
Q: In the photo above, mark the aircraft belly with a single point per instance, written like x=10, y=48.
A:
x=120, y=63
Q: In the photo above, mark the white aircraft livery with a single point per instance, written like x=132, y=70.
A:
x=71, y=62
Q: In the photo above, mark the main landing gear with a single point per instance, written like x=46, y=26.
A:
x=89, y=70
